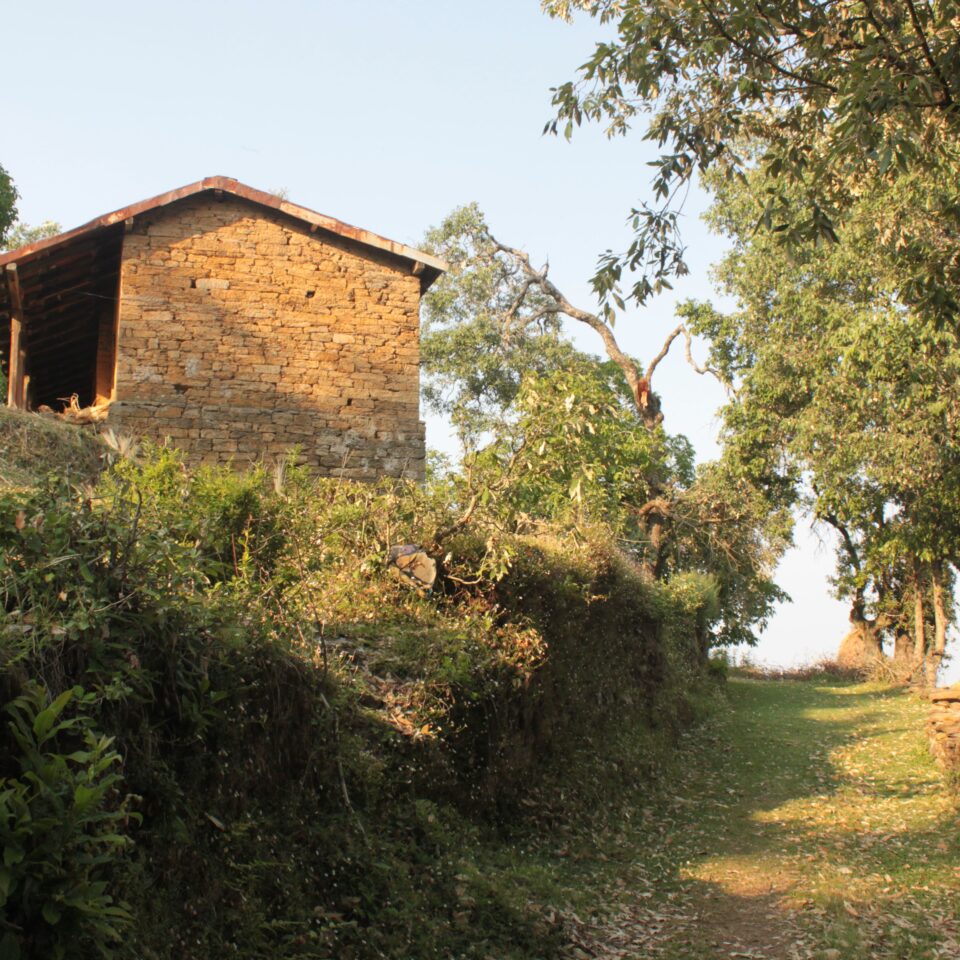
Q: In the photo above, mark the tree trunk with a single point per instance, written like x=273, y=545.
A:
x=861, y=648
x=935, y=654
x=904, y=656
x=919, y=632
x=656, y=531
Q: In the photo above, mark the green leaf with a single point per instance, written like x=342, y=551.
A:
x=10, y=946
x=45, y=720
x=51, y=913
x=13, y=855
x=84, y=796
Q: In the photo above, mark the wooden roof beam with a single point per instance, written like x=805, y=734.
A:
x=73, y=330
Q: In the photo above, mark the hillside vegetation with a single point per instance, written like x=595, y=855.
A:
x=230, y=728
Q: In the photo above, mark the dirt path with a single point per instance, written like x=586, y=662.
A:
x=808, y=824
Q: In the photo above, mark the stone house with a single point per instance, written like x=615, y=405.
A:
x=232, y=322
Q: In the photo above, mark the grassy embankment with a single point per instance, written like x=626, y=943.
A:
x=447, y=786
x=229, y=729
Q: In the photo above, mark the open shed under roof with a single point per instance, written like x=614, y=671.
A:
x=56, y=293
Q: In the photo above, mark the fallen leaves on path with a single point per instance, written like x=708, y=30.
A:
x=813, y=827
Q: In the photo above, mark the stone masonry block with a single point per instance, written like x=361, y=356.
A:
x=276, y=336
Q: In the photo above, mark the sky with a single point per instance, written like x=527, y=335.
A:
x=385, y=115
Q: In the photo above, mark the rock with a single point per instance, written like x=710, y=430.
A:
x=415, y=564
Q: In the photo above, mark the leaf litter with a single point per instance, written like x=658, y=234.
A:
x=807, y=824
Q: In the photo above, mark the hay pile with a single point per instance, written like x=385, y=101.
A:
x=72, y=412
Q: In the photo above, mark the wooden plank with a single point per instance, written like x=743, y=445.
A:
x=35, y=272
x=53, y=342
x=90, y=257
x=75, y=291
x=43, y=302
x=15, y=384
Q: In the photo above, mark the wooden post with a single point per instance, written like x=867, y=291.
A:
x=15, y=397
x=105, y=374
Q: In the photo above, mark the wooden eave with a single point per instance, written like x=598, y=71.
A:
x=421, y=264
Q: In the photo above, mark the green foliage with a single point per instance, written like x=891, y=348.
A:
x=845, y=397
x=574, y=443
x=86, y=576
x=729, y=528
x=824, y=100
x=62, y=831
x=577, y=458
x=227, y=517
x=321, y=750
x=482, y=333
x=8, y=204
x=22, y=234
x=582, y=455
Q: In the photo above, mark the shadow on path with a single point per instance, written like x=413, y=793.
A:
x=806, y=822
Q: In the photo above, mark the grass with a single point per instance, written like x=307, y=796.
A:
x=31, y=446
x=801, y=820
x=806, y=820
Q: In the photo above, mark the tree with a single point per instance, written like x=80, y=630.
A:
x=580, y=442
x=849, y=400
x=582, y=456
x=13, y=233
x=482, y=330
x=21, y=234
x=8, y=204
x=496, y=316
x=824, y=97
x=726, y=527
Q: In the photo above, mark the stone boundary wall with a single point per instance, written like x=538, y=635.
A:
x=243, y=334
x=943, y=726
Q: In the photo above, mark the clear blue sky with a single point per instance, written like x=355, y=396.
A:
x=383, y=114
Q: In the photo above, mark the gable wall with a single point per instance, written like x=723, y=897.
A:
x=241, y=334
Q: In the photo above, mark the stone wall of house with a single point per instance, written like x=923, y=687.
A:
x=243, y=334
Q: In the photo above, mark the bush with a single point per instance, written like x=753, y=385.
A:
x=313, y=739
x=61, y=828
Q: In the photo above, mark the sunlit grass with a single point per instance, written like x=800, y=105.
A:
x=808, y=821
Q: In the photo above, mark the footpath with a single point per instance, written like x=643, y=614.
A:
x=808, y=822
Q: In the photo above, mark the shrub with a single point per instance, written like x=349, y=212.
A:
x=61, y=828
x=297, y=719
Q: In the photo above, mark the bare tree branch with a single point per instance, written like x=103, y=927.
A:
x=704, y=371
x=639, y=386
x=665, y=349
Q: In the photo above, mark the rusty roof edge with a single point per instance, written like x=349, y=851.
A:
x=237, y=189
